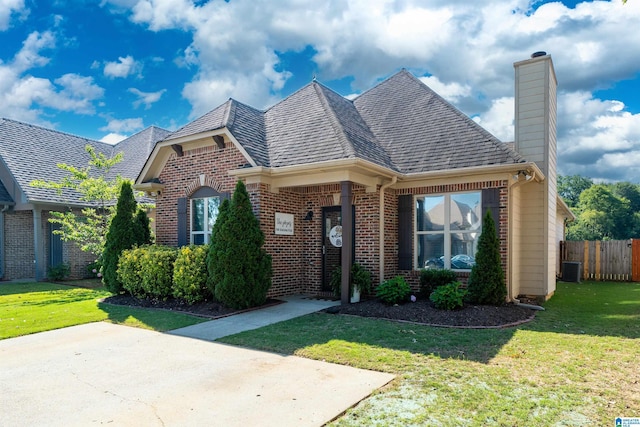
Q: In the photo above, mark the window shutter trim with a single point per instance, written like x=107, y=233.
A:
x=405, y=230
x=183, y=230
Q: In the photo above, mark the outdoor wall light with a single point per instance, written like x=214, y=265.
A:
x=309, y=216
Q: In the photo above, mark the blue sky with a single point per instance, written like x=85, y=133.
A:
x=106, y=69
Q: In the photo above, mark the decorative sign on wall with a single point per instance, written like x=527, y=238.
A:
x=335, y=236
x=284, y=224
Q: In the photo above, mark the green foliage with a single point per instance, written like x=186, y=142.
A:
x=94, y=269
x=246, y=267
x=449, y=296
x=486, y=284
x=121, y=235
x=432, y=278
x=360, y=278
x=394, y=291
x=570, y=188
x=142, y=228
x=89, y=228
x=157, y=271
x=58, y=272
x=190, y=274
x=130, y=270
x=217, y=247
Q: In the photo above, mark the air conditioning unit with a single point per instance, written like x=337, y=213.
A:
x=571, y=271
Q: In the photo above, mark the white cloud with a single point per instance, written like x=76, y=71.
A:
x=452, y=92
x=9, y=8
x=498, y=119
x=125, y=125
x=123, y=67
x=113, y=138
x=146, y=98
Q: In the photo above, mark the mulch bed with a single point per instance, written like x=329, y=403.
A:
x=421, y=311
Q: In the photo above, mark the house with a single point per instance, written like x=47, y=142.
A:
x=390, y=179
x=28, y=245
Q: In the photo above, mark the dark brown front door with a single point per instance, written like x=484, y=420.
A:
x=331, y=243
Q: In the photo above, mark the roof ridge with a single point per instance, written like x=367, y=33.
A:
x=335, y=122
x=228, y=117
x=54, y=131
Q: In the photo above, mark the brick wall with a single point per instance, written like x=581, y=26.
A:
x=19, y=255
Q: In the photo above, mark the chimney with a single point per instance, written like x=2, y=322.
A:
x=535, y=111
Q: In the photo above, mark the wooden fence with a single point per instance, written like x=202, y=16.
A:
x=613, y=260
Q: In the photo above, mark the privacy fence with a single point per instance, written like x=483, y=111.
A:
x=612, y=260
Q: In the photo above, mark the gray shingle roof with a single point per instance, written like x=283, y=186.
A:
x=31, y=152
x=400, y=124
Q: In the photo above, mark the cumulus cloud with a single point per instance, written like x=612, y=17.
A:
x=8, y=8
x=146, y=98
x=123, y=67
x=113, y=138
x=124, y=125
x=465, y=50
x=24, y=96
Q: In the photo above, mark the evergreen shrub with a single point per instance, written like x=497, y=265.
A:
x=394, y=291
x=130, y=271
x=190, y=274
x=217, y=247
x=157, y=271
x=431, y=279
x=360, y=277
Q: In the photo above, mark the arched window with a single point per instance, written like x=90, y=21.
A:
x=205, y=204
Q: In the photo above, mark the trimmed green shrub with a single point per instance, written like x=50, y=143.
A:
x=486, y=284
x=142, y=228
x=58, y=272
x=217, y=246
x=360, y=277
x=394, y=291
x=449, y=296
x=190, y=274
x=246, y=270
x=157, y=271
x=130, y=270
x=431, y=279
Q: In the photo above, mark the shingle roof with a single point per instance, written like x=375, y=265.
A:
x=400, y=124
x=32, y=153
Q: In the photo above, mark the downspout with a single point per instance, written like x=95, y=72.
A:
x=4, y=209
x=381, y=225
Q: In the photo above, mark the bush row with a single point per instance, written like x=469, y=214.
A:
x=162, y=272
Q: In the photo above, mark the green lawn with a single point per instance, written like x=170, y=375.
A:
x=26, y=308
x=576, y=364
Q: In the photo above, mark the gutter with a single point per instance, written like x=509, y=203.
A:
x=394, y=179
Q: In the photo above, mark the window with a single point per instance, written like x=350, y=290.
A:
x=204, y=212
x=447, y=230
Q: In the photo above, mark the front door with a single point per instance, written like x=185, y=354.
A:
x=332, y=242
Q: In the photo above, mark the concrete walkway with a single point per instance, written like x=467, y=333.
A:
x=294, y=306
x=101, y=373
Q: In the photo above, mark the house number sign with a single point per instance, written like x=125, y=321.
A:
x=335, y=236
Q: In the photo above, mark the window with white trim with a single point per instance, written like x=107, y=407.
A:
x=204, y=212
x=447, y=229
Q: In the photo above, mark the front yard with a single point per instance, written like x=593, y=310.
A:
x=576, y=364
x=26, y=308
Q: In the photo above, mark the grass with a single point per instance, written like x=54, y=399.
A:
x=26, y=308
x=576, y=364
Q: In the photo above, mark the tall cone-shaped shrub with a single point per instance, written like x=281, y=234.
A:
x=486, y=283
x=246, y=266
x=216, y=252
x=124, y=233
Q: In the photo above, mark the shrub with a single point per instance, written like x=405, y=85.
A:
x=431, y=279
x=449, y=296
x=360, y=277
x=94, y=269
x=130, y=271
x=486, y=283
x=215, y=268
x=58, y=272
x=394, y=291
x=246, y=267
x=157, y=271
x=190, y=274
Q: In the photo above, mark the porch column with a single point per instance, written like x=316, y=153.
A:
x=347, y=239
x=38, y=244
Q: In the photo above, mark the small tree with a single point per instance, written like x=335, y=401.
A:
x=215, y=268
x=486, y=283
x=124, y=233
x=246, y=266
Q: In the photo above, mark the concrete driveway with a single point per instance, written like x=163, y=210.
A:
x=102, y=373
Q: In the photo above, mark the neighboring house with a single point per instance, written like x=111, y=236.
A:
x=28, y=245
x=405, y=175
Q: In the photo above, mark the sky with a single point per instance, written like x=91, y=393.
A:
x=106, y=69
